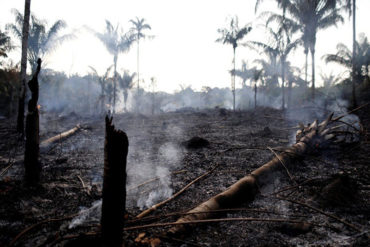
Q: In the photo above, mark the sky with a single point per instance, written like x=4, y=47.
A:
x=183, y=50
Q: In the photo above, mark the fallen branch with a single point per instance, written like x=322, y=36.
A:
x=321, y=212
x=154, y=207
x=219, y=211
x=350, y=112
x=131, y=228
x=294, y=186
x=282, y=163
x=26, y=230
x=60, y=136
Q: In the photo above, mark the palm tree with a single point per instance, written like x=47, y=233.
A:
x=293, y=76
x=350, y=7
x=344, y=57
x=102, y=80
x=233, y=35
x=138, y=27
x=280, y=48
x=116, y=42
x=22, y=96
x=244, y=73
x=41, y=41
x=126, y=82
x=314, y=15
x=5, y=45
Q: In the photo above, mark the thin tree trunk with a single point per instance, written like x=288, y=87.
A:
x=233, y=81
x=32, y=150
x=138, y=75
x=22, y=94
x=313, y=73
x=255, y=95
x=115, y=83
x=114, y=185
x=306, y=66
x=354, y=58
x=289, y=93
x=283, y=82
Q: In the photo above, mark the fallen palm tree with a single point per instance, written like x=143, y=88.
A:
x=309, y=139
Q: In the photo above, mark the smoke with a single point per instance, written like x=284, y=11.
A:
x=65, y=95
x=87, y=215
x=149, y=177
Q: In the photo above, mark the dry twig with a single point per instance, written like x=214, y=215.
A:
x=154, y=207
x=321, y=212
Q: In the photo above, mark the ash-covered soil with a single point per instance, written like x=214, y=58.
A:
x=162, y=161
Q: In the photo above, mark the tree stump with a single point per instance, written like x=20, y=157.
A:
x=114, y=185
x=32, y=150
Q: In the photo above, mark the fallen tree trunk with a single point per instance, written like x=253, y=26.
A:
x=60, y=136
x=32, y=149
x=308, y=140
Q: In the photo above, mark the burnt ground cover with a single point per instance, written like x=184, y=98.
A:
x=164, y=157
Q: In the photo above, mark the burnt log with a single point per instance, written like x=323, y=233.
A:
x=114, y=185
x=60, y=137
x=32, y=149
x=309, y=140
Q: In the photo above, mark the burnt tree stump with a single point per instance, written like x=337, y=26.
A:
x=32, y=150
x=114, y=185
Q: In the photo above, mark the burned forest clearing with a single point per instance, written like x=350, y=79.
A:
x=188, y=123
x=163, y=158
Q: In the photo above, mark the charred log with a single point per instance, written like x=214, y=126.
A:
x=60, y=137
x=309, y=140
x=114, y=185
x=32, y=150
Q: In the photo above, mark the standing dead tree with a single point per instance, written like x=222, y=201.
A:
x=32, y=151
x=309, y=139
x=114, y=185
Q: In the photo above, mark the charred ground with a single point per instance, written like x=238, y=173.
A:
x=238, y=141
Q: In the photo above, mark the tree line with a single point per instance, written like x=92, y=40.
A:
x=296, y=26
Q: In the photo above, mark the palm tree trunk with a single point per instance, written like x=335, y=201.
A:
x=115, y=83
x=289, y=93
x=306, y=66
x=138, y=74
x=313, y=73
x=22, y=95
x=282, y=82
x=354, y=101
x=233, y=81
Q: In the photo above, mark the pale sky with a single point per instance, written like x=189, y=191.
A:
x=184, y=50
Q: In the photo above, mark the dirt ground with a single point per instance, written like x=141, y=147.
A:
x=72, y=179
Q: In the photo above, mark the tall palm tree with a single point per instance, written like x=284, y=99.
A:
x=126, y=82
x=350, y=7
x=41, y=41
x=139, y=26
x=314, y=15
x=233, y=36
x=22, y=96
x=116, y=42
